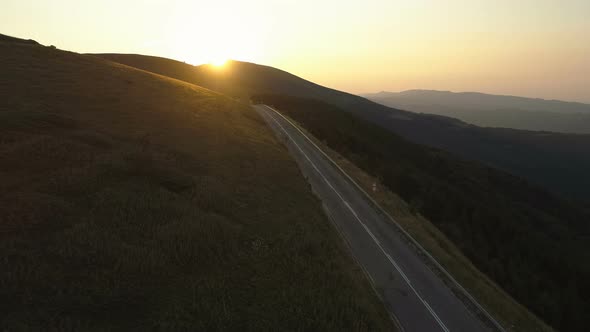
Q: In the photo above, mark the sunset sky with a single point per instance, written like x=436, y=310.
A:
x=535, y=48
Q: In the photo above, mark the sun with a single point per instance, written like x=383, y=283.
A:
x=229, y=34
x=218, y=62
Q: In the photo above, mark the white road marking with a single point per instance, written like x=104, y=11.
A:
x=391, y=260
x=416, y=243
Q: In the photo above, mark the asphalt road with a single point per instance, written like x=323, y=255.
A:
x=413, y=294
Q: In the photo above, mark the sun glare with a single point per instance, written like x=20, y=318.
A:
x=218, y=62
x=215, y=35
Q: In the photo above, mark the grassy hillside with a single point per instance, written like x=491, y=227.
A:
x=532, y=243
x=558, y=162
x=14, y=40
x=132, y=201
x=237, y=79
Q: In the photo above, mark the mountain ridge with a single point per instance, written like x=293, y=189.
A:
x=569, y=106
x=497, y=111
x=531, y=155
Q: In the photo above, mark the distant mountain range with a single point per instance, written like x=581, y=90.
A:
x=493, y=110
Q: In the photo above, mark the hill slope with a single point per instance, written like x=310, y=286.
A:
x=132, y=201
x=558, y=162
x=492, y=110
x=14, y=40
x=532, y=243
x=235, y=79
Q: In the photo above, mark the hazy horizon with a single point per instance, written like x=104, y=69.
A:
x=531, y=49
x=363, y=94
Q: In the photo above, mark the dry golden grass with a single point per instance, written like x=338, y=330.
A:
x=131, y=201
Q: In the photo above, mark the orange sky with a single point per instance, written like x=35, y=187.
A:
x=529, y=48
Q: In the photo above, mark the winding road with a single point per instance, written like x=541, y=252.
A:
x=413, y=294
